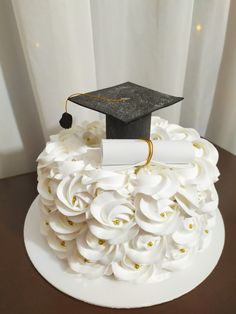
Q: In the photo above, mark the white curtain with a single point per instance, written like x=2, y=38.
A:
x=185, y=48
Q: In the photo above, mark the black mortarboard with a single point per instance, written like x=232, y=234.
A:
x=127, y=107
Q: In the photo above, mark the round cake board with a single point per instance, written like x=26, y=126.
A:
x=112, y=293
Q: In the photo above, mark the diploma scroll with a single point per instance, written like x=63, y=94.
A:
x=132, y=152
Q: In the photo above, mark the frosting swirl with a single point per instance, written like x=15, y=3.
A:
x=113, y=218
x=73, y=198
x=159, y=217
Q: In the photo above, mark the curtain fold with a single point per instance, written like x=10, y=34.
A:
x=172, y=46
x=206, y=45
x=57, y=39
x=145, y=42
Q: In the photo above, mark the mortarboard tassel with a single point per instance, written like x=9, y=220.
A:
x=66, y=119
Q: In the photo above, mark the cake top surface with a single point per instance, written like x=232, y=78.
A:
x=126, y=102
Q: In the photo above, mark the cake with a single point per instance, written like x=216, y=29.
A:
x=127, y=225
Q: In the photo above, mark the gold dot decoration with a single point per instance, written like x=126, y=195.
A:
x=150, y=244
x=190, y=226
x=206, y=231
x=70, y=222
x=196, y=145
x=116, y=222
x=101, y=242
x=63, y=243
x=73, y=200
x=49, y=190
x=136, y=266
x=163, y=214
x=46, y=223
x=182, y=250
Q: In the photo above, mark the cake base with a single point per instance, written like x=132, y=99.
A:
x=112, y=293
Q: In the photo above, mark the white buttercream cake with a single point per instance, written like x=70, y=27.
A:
x=134, y=226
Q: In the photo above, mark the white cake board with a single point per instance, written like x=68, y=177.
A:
x=109, y=292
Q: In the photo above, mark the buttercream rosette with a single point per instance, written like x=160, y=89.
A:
x=137, y=226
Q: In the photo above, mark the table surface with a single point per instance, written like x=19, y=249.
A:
x=23, y=290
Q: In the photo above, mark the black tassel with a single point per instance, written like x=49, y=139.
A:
x=66, y=120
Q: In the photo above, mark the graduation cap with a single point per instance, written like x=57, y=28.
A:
x=128, y=108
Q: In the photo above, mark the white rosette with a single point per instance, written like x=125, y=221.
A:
x=178, y=133
x=200, y=172
x=65, y=228
x=127, y=270
x=93, y=133
x=112, y=218
x=188, y=232
x=177, y=256
x=145, y=249
x=97, y=250
x=59, y=246
x=46, y=206
x=208, y=200
x=61, y=169
x=158, y=183
x=159, y=134
x=160, y=217
x=52, y=151
x=82, y=266
x=195, y=202
x=61, y=147
x=204, y=149
x=208, y=223
x=47, y=189
x=74, y=165
x=158, y=122
x=73, y=198
x=105, y=180
x=158, y=129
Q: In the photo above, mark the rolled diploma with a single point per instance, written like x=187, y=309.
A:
x=132, y=152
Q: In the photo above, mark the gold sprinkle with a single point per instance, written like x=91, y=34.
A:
x=70, y=222
x=49, y=190
x=101, y=242
x=206, y=231
x=46, y=223
x=136, y=266
x=98, y=191
x=116, y=222
x=196, y=145
x=73, y=200
x=190, y=226
x=63, y=243
x=182, y=250
x=150, y=243
x=163, y=214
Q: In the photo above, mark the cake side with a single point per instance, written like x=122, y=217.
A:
x=134, y=226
